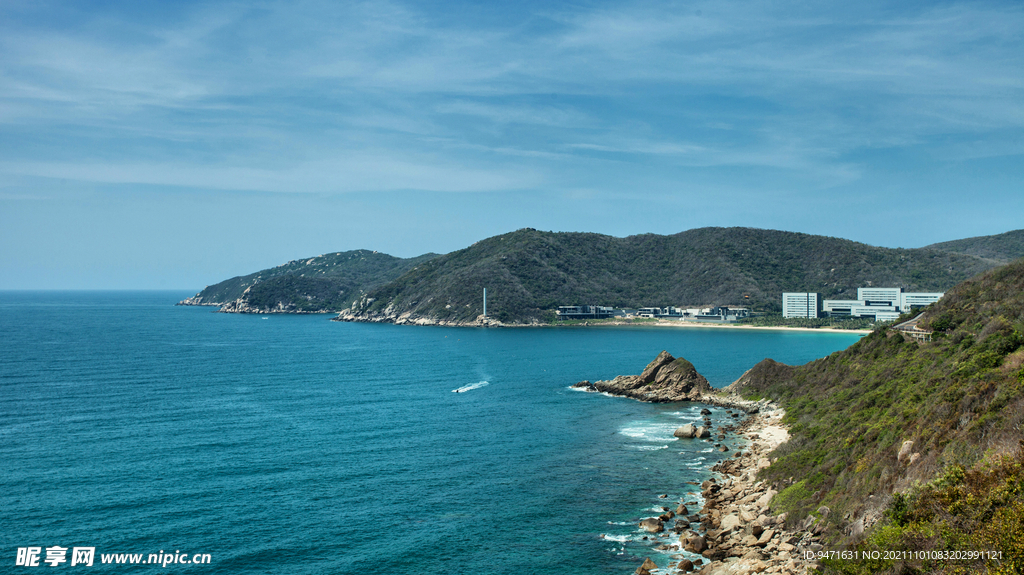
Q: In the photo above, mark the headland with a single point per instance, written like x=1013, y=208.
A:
x=734, y=531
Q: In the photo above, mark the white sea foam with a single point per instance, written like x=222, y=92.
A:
x=649, y=447
x=650, y=431
x=617, y=538
x=470, y=387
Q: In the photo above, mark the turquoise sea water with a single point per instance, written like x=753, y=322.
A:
x=292, y=444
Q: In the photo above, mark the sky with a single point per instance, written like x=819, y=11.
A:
x=171, y=145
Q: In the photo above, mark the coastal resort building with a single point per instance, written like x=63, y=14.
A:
x=584, y=312
x=801, y=304
x=722, y=313
x=881, y=304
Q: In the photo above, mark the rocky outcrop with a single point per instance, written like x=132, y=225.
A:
x=198, y=300
x=664, y=379
x=242, y=305
x=391, y=314
x=671, y=379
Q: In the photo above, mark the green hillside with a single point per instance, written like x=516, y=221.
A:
x=959, y=398
x=529, y=273
x=1002, y=248
x=328, y=282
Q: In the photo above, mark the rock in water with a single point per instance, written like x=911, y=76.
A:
x=652, y=525
x=687, y=431
x=646, y=567
x=665, y=379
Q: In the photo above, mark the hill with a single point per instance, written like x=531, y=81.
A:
x=529, y=273
x=920, y=442
x=1002, y=248
x=325, y=283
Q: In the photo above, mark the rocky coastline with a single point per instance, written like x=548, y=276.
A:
x=391, y=315
x=734, y=532
x=242, y=305
x=198, y=300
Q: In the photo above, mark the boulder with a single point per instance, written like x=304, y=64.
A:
x=765, y=499
x=695, y=544
x=730, y=522
x=857, y=528
x=687, y=431
x=705, y=411
x=646, y=567
x=702, y=432
x=685, y=565
x=682, y=510
x=652, y=525
x=904, y=452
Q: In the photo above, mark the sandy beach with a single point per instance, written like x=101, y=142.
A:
x=711, y=325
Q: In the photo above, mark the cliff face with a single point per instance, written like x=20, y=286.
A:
x=664, y=379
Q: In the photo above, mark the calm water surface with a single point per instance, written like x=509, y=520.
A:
x=292, y=444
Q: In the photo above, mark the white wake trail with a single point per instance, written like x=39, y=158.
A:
x=471, y=386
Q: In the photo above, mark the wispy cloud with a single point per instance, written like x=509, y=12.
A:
x=271, y=90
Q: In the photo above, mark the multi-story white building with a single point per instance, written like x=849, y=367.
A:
x=883, y=304
x=801, y=304
x=915, y=300
x=880, y=296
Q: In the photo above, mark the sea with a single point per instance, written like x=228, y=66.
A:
x=141, y=436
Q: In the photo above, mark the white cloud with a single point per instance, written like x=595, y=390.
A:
x=273, y=89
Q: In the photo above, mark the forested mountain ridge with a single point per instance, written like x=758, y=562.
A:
x=324, y=283
x=528, y=273
x=1002, y=248
x=919, y=442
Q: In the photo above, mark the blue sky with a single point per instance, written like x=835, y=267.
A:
x=175, y=144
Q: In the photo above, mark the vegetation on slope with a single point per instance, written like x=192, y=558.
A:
x=529, y=273
x=328, y=282
x=958, y=398
x=1002, y=248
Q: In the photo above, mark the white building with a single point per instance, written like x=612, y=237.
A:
x=801, y=304
x=883, y=304
x=880, y=296
x=913, y=300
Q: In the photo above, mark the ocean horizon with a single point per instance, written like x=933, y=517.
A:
x=290, y=443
